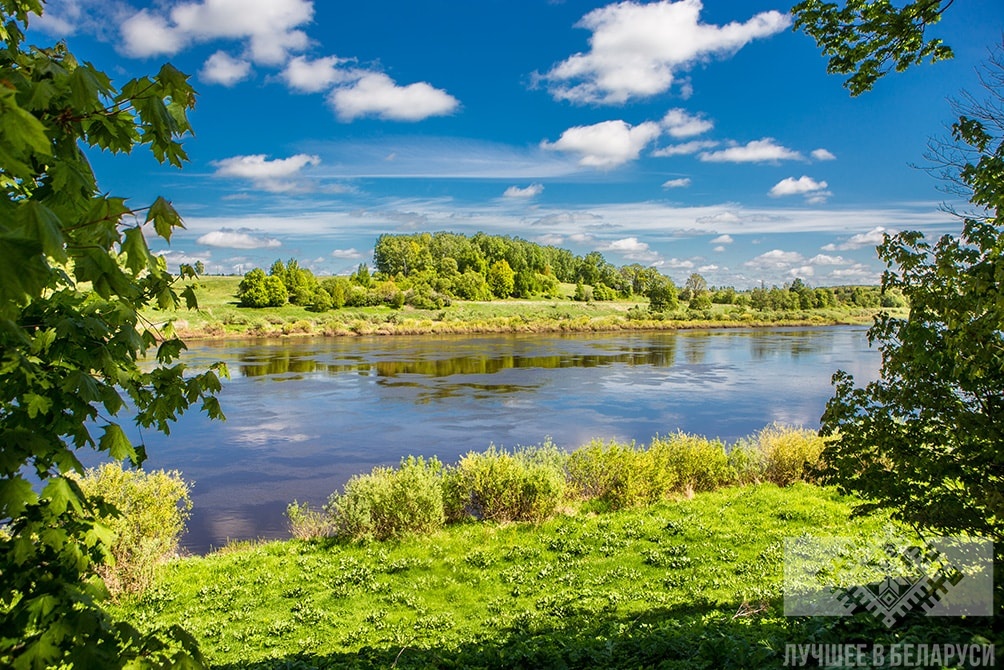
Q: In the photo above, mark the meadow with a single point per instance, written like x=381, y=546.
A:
x=669, y=555
x=688, y=583
x=219, y=315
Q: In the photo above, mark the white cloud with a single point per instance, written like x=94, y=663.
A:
x=683, y=182
x=720, y=217
x=822, y=155
x=346, y=253
x=531, y=191
x=775, y=259
x=757, y=151
x=800, y=186
x=276, y=176
x=678, y=264
x=268, y=28
x=551, y=239
x=802, y=271
x=719, y=248
x=707, y=268
x=314, y=76
x=872, y=238
x=376, y=94
x=638, y=50
x=238, y=239
x=680, y=124
x=684, y=149
x=814, y=191
x=223, y=69
x=824, y=259
x=722, y=239
x=606, y=144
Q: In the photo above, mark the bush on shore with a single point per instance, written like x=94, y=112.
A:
x=152, y=510
x=532, y=484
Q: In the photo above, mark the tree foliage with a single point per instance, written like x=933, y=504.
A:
x=75, y=269
x=866, y=39
x=925, y=438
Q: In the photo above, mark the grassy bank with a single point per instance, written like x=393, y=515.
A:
x=220, y=316
x=691, y=583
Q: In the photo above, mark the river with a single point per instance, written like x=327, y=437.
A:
x=303, y=415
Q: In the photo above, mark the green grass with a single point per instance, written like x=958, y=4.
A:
x=220, y=316
x=685, y=584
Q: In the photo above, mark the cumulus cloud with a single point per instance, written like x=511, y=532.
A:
x=685, y=148
x=824, y=259
x=722, y=239
x=682, y=182
x=814, y=191
x=314, y=76
x=238, y=239
x=872, y=238
x=606, y=144
x=680, y=124
x=223, y=69
x=376, y=94
x=757, y=151
x=531, y=191
x=776, y=259
x=276, y=176
x=638, y=50
x=268, y=28
x=823, y=155
x=346, y=253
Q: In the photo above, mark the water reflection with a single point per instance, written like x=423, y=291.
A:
x=305, y=415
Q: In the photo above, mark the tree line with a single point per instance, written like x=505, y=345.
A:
x=430, y=270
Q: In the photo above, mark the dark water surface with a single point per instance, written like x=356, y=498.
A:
x=303, y=415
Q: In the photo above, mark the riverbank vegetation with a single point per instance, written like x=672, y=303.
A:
x=417, y=289
x=695, y=582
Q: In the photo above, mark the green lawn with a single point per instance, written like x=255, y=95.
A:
x=687, y=584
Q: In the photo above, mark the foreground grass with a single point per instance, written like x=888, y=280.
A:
x=684, y=584
x=219, y=316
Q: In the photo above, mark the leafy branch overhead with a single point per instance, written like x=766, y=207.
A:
x=75, y=271
x=867, y=39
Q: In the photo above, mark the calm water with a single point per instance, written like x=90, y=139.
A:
x=304, y=415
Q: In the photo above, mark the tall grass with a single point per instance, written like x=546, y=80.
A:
x=533, y=484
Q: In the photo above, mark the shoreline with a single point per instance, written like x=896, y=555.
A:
x=392, y=327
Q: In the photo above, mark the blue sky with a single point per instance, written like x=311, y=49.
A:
x=696, y=138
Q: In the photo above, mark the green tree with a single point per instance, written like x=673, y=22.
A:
x=75, y=270
x=866, y=39
x=662, y=294
x=200, y=268
x=501, y=279
x=925, y=437
x=251, y=292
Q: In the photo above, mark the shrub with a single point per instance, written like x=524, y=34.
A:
x=152, y=510
x=526, y=485
x=308, y=523
x=687, y=463
x=612, y=473
x=388, y=503
x=789, y=454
